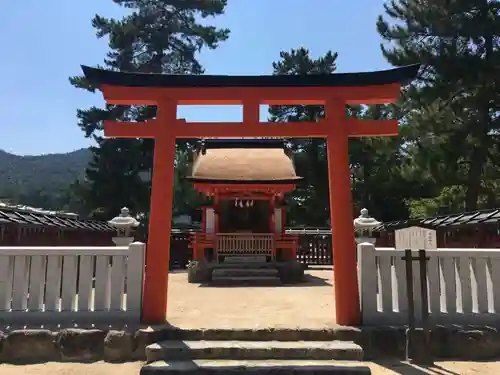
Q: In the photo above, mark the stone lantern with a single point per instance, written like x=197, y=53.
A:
x=124, y=223
x=363, y=227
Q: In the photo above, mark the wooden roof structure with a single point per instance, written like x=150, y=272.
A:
x=452, y=221
x=480, y=217
x=13, y=215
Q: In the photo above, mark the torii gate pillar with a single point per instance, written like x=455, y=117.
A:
x=345, y=277
x=155, y=292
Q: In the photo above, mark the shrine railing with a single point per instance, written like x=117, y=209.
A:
x=314, y=247
x=245, y=243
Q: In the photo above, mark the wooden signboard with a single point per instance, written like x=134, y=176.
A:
x=416, y=238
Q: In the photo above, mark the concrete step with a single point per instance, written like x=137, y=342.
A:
x=265, y=367
x=237, y=272
x=255, y=350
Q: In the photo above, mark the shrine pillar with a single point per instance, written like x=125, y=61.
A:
x=217, y=208
x=154, y=303
x=347, y=307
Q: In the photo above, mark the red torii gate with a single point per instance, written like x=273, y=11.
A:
x=333, y=91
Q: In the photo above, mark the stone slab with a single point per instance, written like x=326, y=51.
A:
x=248, y=278
x=254, y=350
x=244, y=265
x=229, y=367
x=244, y=272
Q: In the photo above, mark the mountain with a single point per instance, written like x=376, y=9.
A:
x=41, y=181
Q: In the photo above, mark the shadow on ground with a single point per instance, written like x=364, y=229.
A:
x=407, y=368
x=309, y=281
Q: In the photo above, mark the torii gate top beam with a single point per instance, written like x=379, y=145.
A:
x=377, y=87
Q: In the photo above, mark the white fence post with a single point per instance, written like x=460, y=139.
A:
x=367, y=280
x=135, y=274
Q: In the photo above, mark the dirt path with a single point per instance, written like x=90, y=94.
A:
x=306, y=305
x=393, y=368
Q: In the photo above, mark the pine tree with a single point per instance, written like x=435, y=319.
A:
x=185, y=196
x=376, y=163
x=453, y=107
x=157, y=36
x=309, y=204
x=378, y=167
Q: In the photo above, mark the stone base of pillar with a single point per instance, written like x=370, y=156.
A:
x=122, y=241
x=199, y=272
x=360, y=240
x=291, y=272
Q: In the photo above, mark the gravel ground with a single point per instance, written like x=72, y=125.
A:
x=389, y=368
x=307, y=305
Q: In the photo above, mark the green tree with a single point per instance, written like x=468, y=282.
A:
x=308, y=204
x=113, y=180
x=376, y=164
x=185, y=195
x=453, y=107
x=161, y=36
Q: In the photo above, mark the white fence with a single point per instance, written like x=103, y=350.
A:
x=48, y=285
x=463, y=286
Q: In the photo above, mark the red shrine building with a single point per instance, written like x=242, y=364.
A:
x=246, y=181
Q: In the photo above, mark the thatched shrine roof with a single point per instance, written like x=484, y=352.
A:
x=244, y=162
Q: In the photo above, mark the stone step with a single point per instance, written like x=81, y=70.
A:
x=244, y=265
x=255, y=350
x=341, y=333
x=266, y=367
x=236, y=272
x=246, y=281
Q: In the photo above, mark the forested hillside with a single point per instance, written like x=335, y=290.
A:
x=41, y=181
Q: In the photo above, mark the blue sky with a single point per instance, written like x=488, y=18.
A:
x=44, y=42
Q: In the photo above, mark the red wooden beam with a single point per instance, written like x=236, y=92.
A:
x=185, y=129
x=247, y=190
x=117, y=129
x=131, y=95
x=382, y=94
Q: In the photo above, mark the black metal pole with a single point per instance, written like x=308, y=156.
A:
x=411, y=303
x=422, y=259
